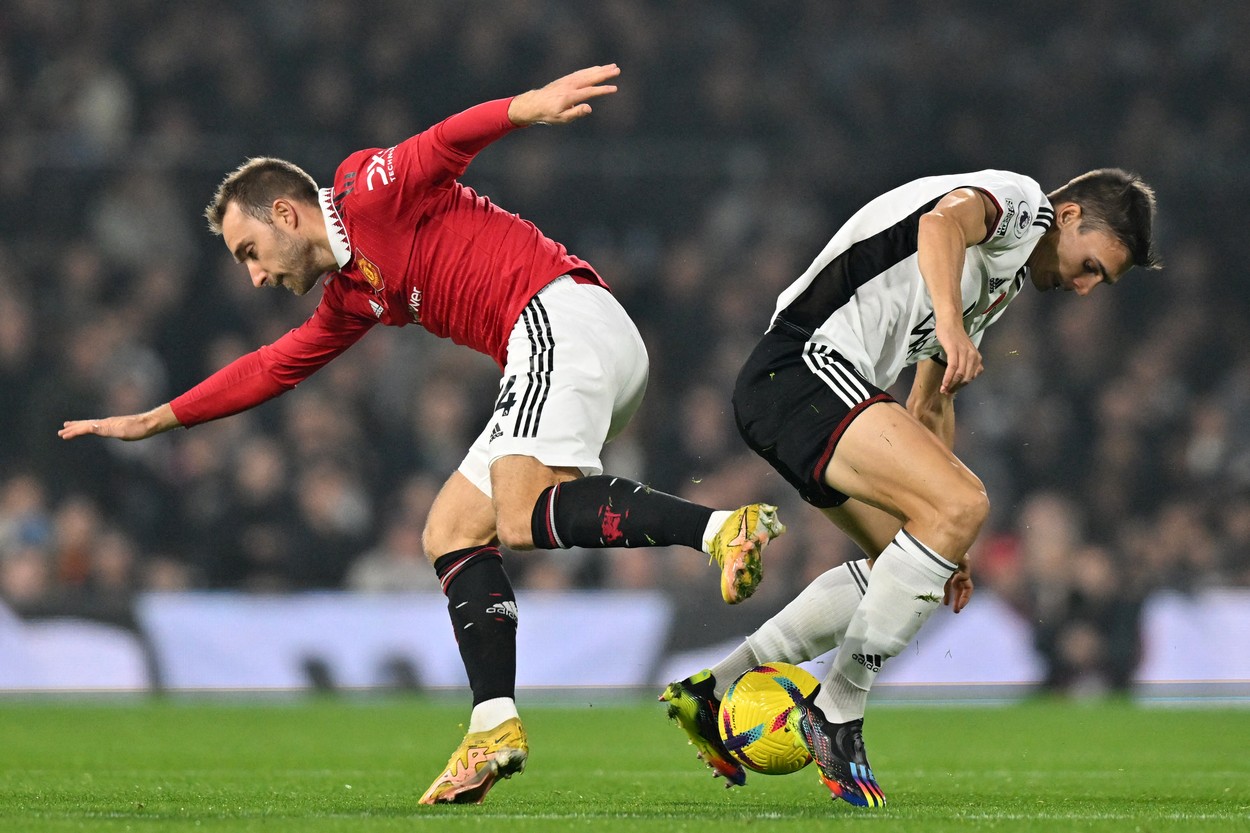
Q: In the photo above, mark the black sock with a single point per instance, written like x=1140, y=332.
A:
x=606, y=511
x=484, y=616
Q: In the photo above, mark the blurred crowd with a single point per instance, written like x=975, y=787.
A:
x=1111, y=432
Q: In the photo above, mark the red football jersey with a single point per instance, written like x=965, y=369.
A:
x=413, y=245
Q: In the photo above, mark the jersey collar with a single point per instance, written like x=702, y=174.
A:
x=339, y=244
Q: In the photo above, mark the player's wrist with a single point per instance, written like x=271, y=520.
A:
x=520, y=112
x=159, y=420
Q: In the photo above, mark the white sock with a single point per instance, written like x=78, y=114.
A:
x=740, y=660
x=719, y=516
x=908, y=580
x=490, y=713
x=813, y=623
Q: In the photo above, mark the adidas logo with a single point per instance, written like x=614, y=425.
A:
x=871, y=661
x=508, y=609
x=495, y=433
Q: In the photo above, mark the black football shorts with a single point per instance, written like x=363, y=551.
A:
x=792, y=402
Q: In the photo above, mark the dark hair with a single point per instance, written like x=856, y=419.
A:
x=255, y=184
x=1117, y=201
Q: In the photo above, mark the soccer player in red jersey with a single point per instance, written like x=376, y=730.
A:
x=401, y=241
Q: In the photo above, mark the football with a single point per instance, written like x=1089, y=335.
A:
x=755, y=718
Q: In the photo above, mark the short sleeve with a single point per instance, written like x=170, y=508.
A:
x=1021, y=205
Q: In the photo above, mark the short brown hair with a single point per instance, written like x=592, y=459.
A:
x=255, y=184
x=1119, y=202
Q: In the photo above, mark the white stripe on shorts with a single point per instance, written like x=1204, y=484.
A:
x=836, y=373
x=542, y=362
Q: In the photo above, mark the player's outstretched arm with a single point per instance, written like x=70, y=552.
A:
x=564, y=99
x=130, y=427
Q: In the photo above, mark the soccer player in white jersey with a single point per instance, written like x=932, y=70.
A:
x=914, y=277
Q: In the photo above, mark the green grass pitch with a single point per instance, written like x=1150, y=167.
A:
x=605, y=762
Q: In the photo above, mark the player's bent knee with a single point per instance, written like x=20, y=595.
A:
x=438, y=539
x=963, y=508
x=515, y=531
x=970, y=508
x=433, y=545
x=960, y=520
x=950, y=521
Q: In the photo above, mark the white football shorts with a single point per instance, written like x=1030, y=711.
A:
x=575, y=375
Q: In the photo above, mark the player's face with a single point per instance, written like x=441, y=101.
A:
x=273, y=256
x=1074, y=259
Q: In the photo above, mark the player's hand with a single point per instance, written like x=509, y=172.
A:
x=963, y=359
x=564, y=99
x=120, y=427
x=130, y=427
x=958, y=589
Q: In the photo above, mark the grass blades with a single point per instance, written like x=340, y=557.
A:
x=603, y=763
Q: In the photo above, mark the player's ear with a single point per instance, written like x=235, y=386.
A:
x=284, y=213
x=1069, y=212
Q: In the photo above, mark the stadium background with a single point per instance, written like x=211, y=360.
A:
x=1111, y=433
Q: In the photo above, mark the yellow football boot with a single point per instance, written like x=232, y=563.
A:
x=693, y=706
x=481, y=759
x=738, y=548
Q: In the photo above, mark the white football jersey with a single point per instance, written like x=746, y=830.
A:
x=863, y=295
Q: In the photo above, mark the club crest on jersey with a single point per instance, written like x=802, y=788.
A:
x=372, y=274
x=1024, y=221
